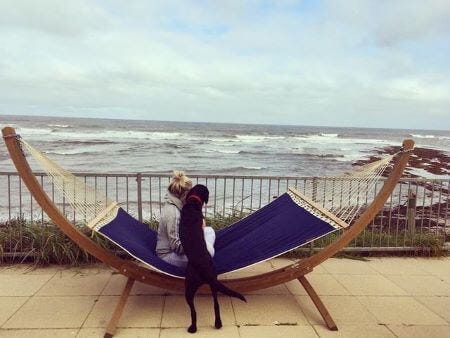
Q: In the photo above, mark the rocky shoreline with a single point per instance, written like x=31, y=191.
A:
x=432, y=161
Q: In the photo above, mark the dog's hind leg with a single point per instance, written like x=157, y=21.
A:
x=226, y=291
x=190, y=290
x=218, y=320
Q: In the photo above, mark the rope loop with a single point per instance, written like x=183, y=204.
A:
x=16, y=136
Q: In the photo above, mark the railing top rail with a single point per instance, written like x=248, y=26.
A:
x=168, y=175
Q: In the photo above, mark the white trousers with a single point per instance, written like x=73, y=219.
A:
x=181, y=260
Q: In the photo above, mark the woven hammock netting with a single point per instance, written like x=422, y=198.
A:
x=343, y=196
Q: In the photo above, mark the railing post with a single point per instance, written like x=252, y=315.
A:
x=139, y=195
x=314, y=189
x=411, y=213
x=314, y=198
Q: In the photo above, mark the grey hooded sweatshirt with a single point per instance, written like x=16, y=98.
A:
x=168, y=237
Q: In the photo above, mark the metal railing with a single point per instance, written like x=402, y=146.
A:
x=417, y=206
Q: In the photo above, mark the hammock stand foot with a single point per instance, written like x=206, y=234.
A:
x=318, y=303
x=112, y=325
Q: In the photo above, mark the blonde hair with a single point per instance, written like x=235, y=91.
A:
x=180, y=184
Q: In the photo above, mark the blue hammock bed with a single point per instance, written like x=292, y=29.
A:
x=279, y=227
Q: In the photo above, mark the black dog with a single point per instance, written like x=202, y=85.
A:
x=200, y=269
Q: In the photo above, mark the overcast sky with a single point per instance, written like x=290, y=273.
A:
x=337, y=63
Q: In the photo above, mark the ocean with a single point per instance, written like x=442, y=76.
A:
x=131, y=146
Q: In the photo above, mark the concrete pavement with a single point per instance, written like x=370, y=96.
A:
x=381, y=297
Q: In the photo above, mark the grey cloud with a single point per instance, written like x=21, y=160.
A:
x=388, y=23
x=71, y=17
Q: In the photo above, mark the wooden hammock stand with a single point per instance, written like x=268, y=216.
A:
x=135, y=272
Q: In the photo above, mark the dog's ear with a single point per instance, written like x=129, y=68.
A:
x=205, y=194
x=201, y=191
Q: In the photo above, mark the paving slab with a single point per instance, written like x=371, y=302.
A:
x=22, y=284
x=177, y=314
x=31, y=269
x=435, y=266
x=120, y=333
x=396, y=266
x=348, y=266
x=52, y=312
x=280, y=289
x=369, y=285
x=9, y=305
x=79, y=283
x=139, y=311
x=439, y=305
x=355, y=331
x=117, y=283
x=268, y=310
x=400, y=310
x=420, y=331
x=142, y=311
x=101, y=312
x=38, y=333
x=324, y=284
x=202, y=332
x=279, y=331
x=145, y=289
x=422, y=285
x=250, y=271
x=345, y=310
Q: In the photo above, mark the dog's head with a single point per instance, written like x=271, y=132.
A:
x=199, y=191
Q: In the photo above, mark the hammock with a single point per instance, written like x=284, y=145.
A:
x=102, y=213
x=290, y=221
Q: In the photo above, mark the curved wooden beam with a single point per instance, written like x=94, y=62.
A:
x=377, y=204
x=151, y=277
x=126, y=267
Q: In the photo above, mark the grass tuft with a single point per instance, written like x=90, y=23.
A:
x=42, y=244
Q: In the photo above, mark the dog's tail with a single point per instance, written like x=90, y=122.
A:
x=227, y=291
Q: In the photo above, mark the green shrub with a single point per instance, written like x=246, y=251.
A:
x=42, y=244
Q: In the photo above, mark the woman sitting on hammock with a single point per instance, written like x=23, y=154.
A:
x=168, y=246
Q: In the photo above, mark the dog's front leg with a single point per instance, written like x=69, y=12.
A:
x=218, y=320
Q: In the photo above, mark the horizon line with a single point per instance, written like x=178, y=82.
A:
x=223, y=123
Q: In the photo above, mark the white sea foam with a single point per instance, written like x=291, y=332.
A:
x=141, y=135
x=422, y=136
x=106, y=134
x=67, y=152
x=33, y=131
x=351, y=157
x=257, y=138
x=329, y=135
x=320, y=139
x=223, y=151
x=58, y=125
x=423, y=173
